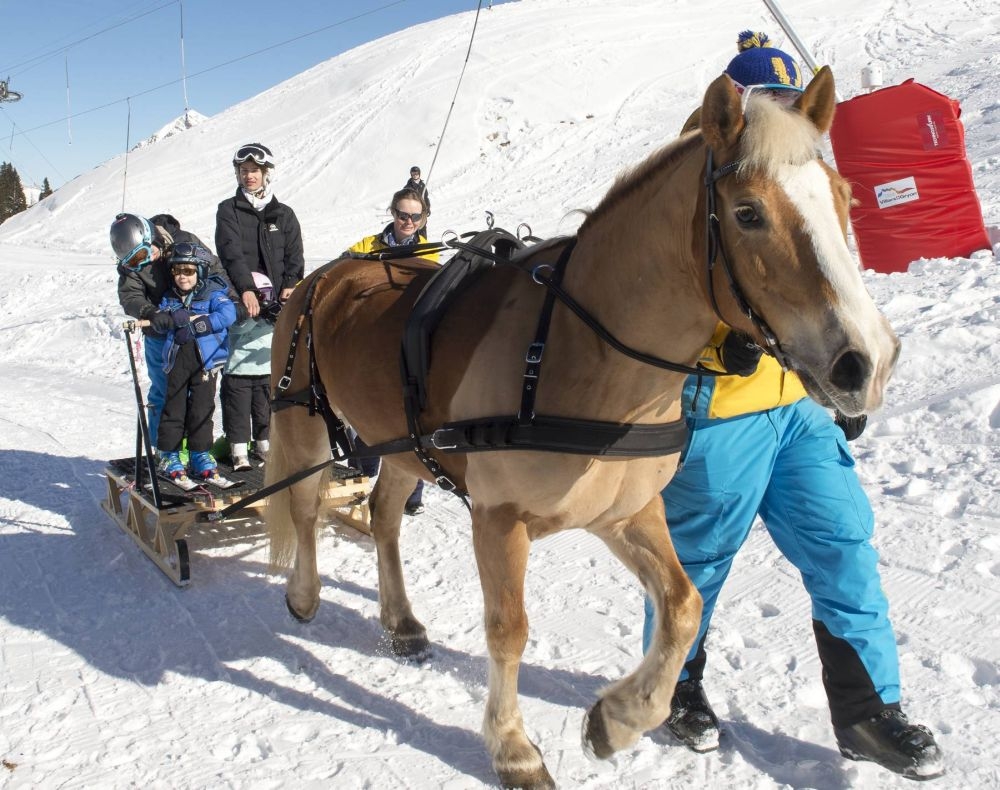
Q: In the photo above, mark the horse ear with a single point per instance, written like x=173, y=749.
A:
x=819, y=99
x=721, y=114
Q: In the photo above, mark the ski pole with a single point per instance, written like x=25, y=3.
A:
x=142, y=438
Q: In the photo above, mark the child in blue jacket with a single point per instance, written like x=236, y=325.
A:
x=194, y=352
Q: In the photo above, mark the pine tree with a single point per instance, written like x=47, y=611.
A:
x=12, y=199
x=46, y=189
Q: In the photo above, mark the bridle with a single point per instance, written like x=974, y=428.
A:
x=714, y=249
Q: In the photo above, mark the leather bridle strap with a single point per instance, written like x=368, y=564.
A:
x=715, y=249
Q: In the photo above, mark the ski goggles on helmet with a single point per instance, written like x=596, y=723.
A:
x=138, y=258
x=255, y=151
x=785, y=95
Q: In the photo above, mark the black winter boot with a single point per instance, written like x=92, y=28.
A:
x=692, y=720
x=891, y=741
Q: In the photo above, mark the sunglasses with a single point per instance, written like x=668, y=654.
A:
x=139, y=258
x=190, y=271
x=402, y=216
x=258, y=153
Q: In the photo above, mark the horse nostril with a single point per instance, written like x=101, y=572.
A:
x=850, y=372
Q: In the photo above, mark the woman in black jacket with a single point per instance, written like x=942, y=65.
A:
x=254, y=232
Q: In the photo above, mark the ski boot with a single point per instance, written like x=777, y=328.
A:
x=891, y=741
x=692, y=720
x=203, y=466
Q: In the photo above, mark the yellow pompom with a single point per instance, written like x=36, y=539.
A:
x=750, y=39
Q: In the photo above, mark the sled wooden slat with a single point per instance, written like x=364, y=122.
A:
x=161, y=532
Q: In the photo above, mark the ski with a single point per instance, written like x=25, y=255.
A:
x=183, y=482
x=217, y=480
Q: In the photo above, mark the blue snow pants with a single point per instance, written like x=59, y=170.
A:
x=157, y=395
x=790, y=465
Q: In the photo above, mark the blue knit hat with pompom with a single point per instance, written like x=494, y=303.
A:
x=760, y=63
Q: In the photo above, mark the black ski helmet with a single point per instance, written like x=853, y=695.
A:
x=186, y=252
x=129, y=234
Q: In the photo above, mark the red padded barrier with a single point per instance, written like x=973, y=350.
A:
x=902, y=149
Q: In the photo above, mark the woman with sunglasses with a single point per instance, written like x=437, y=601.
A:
x=409, y=212
x=141, y=247
x=254, y=232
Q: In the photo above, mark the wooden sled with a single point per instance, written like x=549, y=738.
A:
x=161, y=531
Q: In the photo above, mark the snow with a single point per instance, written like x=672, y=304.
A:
x=110, y=676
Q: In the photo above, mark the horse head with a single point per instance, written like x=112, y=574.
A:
x=783, y=271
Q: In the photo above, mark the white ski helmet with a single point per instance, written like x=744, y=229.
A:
x=264, y=287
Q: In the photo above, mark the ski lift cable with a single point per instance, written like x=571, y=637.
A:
x=38, y=59
x=30, y=142
x=437, y=148
x=223, y=65
x=128, y=135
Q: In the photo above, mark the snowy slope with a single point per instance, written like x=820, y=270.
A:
x=111, y=677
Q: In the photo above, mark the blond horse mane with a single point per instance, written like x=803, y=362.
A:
x=775, y=136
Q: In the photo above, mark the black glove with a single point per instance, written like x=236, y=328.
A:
x=852, y=427
x=161, y=322
x=269, y=311
x=201, y=326
x=181, y=317
x=740, y=355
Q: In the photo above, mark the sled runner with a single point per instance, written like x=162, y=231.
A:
x=162, y=531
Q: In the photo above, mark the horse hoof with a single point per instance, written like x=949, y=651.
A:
x=301, y=618
x=595, y=735
x=527, y=779
x=416, y=647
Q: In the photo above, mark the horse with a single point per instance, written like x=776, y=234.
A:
x=676, y=245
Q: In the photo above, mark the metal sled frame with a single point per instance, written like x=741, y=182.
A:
x=161, y=531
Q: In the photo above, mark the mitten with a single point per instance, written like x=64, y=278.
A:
x=852, y=427
x=181, y=317
x=161, y=322
x=201, y=325
x=740, y=355
x=183, y=335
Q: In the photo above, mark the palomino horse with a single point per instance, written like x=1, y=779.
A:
x=639, y=267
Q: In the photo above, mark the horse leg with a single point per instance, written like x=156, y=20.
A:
x=298, y=441
x=641, y=701
x=501, y=546
x=407, y=635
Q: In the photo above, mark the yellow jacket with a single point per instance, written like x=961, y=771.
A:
x=730, y=396
x=377, y=242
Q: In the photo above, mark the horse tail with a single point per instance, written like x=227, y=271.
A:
x=278, y=511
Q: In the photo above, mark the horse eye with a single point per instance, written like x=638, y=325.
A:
x=746, y=215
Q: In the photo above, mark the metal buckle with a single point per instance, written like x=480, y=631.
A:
x=284, y=383
x=444, y=483
x=534, y=353
x=434, y=441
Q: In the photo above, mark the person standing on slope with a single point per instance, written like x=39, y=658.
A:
x=254, y=232
x=759, y=446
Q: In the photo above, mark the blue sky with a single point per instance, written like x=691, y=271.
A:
x=114, y=67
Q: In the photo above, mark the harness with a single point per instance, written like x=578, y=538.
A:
x=525, y=430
